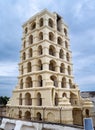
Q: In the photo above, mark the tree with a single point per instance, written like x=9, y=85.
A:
x=4, y=100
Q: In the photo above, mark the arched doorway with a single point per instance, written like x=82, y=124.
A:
x=77, y=116
x=39, y=118
x=27, y=115
x=20, y=114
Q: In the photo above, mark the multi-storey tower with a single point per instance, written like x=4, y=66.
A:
x=46, y=89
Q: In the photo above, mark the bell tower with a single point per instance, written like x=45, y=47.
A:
x=46, y=89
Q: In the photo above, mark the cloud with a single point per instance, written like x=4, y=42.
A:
x=7, y=84
x=79, y=16
x=8, y=69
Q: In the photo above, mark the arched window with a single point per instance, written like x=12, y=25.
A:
x=30, y=52
x=52, y=50
x=67, y=57
x=40, y=81
x=41, y=36
x=59, y=40
x=56, y=99
x=52, y=65
x=41, y=22
x=28, y=82
x=39, y=100
x=29, y=69
x=61, y=54
x=66, y=44
x=70, y=83
x=28, y=100
x=40, y=66
x=33, y=26
x=20, y=99
x=69, y=70
x=39, y=118
x=65, y=31
x=27, y=115
x=63, y=83
x=30, y=39
x=54, y=79
x=40, y=51
x=24, y=56
x=21, y=84
x=50, y=22
x=26, y=30
x=62, y=68
x=51, y=36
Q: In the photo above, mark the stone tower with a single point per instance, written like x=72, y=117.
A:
x=46, y=90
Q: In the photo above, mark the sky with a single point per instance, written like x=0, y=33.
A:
x=79, y=15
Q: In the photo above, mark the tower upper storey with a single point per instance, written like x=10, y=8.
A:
x=45, y=18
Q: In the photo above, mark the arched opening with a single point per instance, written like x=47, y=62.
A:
x=73, y=99
x=33, y=26
x=28, y=82
x=77, y=116
x=67, y=57
x=24, y=56
x=61, y=54
x=41, y=22
x=40, y=66
x=26, y=30
x=41, y=36
x=52, y=65
x=51, y=36
x=70, y=83
x=40, y=81
x=40, y=51
x=39, y=100
x=20, y=114
x=56, y=99
x=65, y=32
x=87, y=113
x=39, y=118
x=20, y=99
x=30, y=39
x=63, y=83
x=59, y=40
x=69, y=70
x=29, y=69
x=50, y=22
x=22, y=69
x=24, y=44
x=28, y=100
x=52, y=50
x=64, y=95
x=62, y=68
x=21, y=84
x=27, y=115
x=66, y=44
x=50, y=117
x=54, y=79
x=30, y=52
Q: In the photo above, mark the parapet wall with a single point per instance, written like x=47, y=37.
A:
x=11, y=124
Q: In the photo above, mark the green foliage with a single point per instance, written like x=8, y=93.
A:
x=4, y=100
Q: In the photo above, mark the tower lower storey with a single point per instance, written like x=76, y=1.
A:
x=48, y=114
